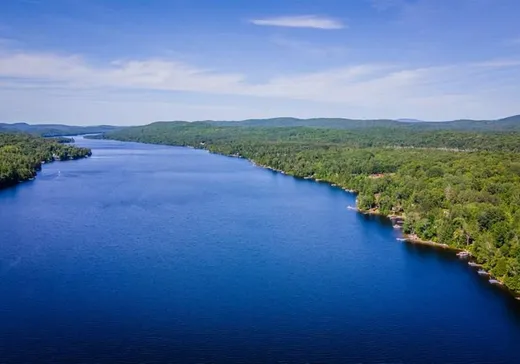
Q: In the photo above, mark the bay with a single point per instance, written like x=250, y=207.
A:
x=156, y=254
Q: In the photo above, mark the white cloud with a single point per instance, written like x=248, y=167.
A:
x=74, y=71
x=52, y=83
x=300, y=21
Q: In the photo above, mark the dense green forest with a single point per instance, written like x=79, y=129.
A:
x=185, y=133
x=456, y=188
x=21, y=155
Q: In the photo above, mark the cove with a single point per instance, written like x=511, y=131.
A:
x=156, y=254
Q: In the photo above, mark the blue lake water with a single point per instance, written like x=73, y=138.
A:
x=155, y=254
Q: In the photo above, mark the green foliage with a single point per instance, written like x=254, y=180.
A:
x=184, y=133
x=21, y=155
x=457, y=188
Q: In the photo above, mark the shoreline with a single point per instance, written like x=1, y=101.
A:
x=39, y=169
x=414, y=239
x=408, y=238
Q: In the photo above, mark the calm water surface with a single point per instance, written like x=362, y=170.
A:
x=153, y=254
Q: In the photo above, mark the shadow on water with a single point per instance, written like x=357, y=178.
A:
x=12, y=192
x=382, y=220
x=432, y=252
x=444, y=256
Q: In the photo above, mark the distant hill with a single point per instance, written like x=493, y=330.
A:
x=511, y=123
x=330, y=123
x=405, y=120
x=48, y=130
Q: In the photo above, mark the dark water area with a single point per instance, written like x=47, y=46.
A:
x=155, y=254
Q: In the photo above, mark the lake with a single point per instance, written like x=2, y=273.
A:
x=156, y=254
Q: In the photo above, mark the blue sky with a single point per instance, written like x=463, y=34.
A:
x=137, y=61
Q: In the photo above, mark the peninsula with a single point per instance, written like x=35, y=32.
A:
x=22, y=155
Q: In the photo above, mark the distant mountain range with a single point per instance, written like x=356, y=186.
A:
x=511, y=123
x=49, y=130
x=410, y=120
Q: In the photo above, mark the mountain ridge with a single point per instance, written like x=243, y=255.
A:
x=511, y=123
x=51, y=130
x=507, y=124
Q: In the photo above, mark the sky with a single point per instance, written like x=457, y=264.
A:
x=127, y=62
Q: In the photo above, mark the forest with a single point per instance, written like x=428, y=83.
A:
x=21, y=155
x=186, y=133
x=459, y=188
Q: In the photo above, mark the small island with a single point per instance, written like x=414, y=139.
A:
x=22, y=155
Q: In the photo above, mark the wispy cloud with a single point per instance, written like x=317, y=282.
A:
x=301, y=21
x=73, y=71
x=381, y=90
